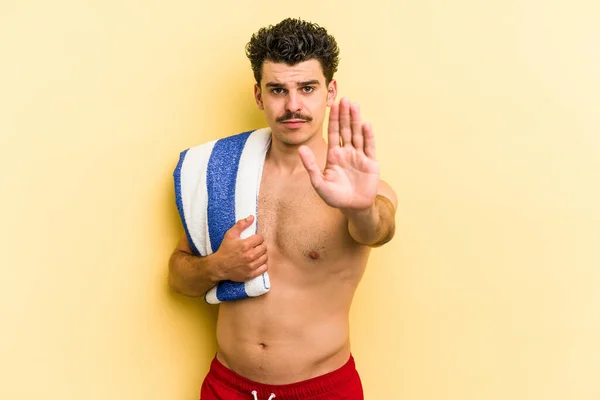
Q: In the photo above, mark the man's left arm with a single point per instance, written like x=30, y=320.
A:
x=375, y=225
x=350, y=181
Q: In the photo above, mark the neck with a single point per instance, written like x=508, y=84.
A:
x=285, y=158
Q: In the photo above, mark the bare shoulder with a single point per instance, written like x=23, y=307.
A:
x=388, y=192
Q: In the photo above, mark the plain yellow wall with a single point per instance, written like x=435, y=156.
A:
x=487, y=116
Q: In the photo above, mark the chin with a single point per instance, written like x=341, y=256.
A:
x=296, y=141
x=292, y=136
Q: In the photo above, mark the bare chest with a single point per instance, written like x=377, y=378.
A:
x=295, y=220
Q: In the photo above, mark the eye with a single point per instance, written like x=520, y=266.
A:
x=307, y=89
x=277, y=90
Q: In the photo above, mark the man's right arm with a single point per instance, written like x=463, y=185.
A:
x=236, y=259
x=192, y=275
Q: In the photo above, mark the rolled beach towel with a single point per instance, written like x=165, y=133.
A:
x=217, y=184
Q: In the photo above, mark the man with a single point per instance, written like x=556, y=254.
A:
x=321, y=207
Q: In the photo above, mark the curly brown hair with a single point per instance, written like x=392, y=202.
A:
x=292, y=41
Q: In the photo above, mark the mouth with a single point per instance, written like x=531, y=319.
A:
x=294, y=123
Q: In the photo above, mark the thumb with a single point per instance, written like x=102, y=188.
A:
x=241, y=225
x=310, y=163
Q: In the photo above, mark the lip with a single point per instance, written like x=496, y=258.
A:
x=294, y=123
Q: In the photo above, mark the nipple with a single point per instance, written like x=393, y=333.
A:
x=314, y=255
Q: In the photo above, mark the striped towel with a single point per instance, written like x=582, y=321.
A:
x=216, y=184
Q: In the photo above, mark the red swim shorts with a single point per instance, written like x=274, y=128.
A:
x=221, y=383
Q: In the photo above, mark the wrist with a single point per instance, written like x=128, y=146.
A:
x=359, y=214
x=215, y=267
x=364, y=225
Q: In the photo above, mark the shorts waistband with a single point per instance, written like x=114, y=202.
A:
x=316, y=386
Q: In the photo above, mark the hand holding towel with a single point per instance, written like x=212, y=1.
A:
x=217, y=184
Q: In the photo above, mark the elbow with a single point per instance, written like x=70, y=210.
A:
x=177, y=279
x=385, y=239
x=174, y=284
x=172, y=278
x=179, y=287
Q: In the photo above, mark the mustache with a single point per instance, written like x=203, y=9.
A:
x=294, y=115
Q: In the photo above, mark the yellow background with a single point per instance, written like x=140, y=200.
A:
x=487, y=117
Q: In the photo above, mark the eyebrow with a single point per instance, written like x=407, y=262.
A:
x=282, y=85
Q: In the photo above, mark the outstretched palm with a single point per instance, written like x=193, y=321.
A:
x=351, y=174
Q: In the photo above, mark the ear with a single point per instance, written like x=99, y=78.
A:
x=258, y=97
x=331, y=92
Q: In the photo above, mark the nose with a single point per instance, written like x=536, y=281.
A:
x=292, y=102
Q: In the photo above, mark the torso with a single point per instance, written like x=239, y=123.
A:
x=299, y=329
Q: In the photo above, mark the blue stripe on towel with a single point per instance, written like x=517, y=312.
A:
x=221, y=175
x=229, y=290
x=179, y=201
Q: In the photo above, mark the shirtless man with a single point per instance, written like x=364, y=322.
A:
x=322, y=206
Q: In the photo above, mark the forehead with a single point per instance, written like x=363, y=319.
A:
x=289, y=74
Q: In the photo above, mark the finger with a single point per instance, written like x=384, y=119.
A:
x=259, y=262
x=369, y=139
x=257, y=252
x=345, y=128
x=239, y=227
x=253, y=241
x=310, y=163
x=259, y=271
x=333, y=131
x=357, y=134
